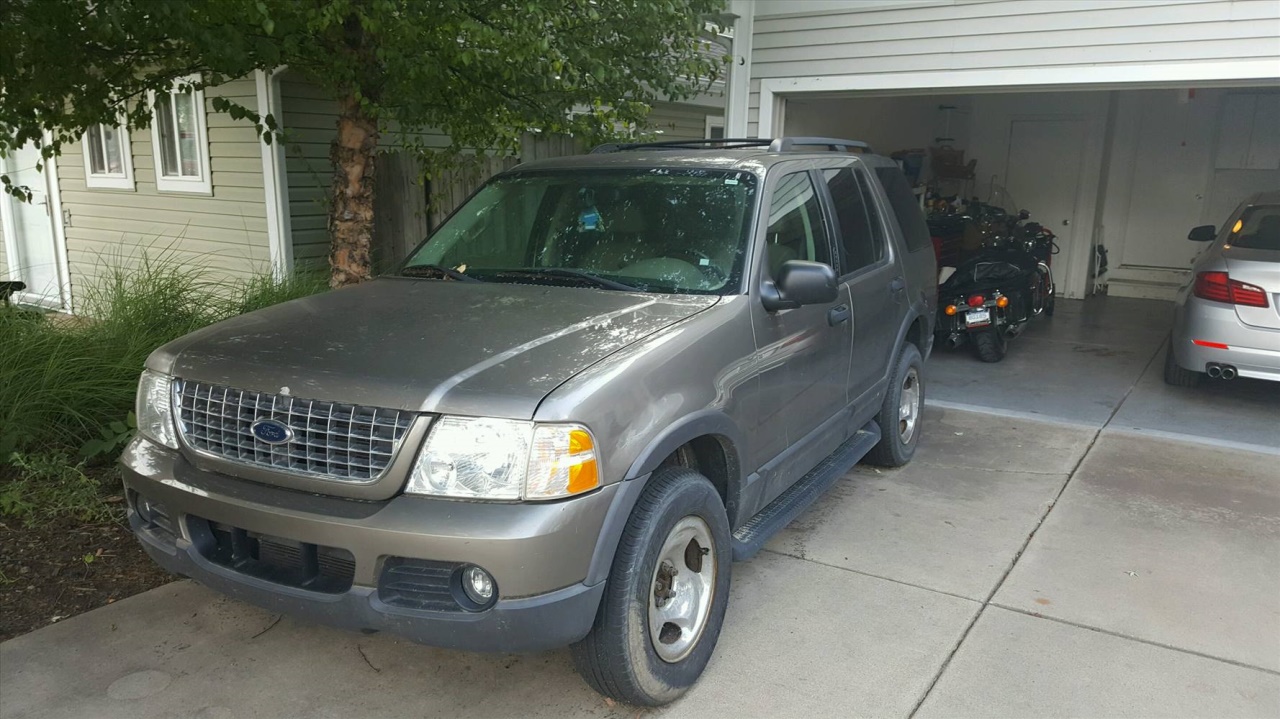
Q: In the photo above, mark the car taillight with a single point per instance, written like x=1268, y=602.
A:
x=976, y=300
x=1219, y=287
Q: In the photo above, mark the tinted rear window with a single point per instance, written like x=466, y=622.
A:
x=1259, y=229
x=905, y=207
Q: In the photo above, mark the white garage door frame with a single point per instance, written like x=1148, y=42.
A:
x=773, y=91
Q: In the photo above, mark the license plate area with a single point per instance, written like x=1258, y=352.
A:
x=977, y=318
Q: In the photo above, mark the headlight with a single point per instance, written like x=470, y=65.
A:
x=481, y=458
x=155, y=409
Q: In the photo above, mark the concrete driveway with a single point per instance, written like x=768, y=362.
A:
x=1016, y=568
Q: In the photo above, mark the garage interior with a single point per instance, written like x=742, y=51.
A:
x=1129, y=171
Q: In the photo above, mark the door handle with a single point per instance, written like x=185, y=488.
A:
x=838, y=315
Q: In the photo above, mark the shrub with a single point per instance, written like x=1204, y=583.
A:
x=50, y=485
x=64, y=382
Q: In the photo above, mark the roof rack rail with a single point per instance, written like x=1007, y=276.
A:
x=722, y=143
x=788, y=144
x=781, y=144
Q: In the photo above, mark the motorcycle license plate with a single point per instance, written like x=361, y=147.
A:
x=975, y=318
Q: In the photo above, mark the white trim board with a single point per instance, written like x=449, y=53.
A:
x=1014, y=80
x=274, y=178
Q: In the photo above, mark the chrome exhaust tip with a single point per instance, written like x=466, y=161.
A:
x=1228, y=372
x=1213, y=370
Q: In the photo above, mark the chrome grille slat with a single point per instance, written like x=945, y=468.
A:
x=331, y=440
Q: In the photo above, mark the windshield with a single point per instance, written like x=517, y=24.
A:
x=650, y=230
x=1258, y=229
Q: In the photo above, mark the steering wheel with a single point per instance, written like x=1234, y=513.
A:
x=703, y=263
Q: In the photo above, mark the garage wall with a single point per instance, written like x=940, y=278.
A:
x=888, y=124
x=961, y=42
x=1179, y=159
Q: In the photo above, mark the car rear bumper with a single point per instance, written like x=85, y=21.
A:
x=331, y=560
x=1253, y=351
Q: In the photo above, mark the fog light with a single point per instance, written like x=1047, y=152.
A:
x=478, y=585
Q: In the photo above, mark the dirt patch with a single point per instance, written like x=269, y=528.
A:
x=63, y=568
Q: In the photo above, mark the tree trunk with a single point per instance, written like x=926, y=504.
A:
x=351, y=208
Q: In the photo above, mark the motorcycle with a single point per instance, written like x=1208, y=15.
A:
x=1003, y=278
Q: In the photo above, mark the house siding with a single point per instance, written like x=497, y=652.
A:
x=844, y=37
x=679, y=122
x=310, y=124
x=225, y=232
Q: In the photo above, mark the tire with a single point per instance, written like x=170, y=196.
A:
x=989, y=345
x=899, y=436
x=1175, y=374
x=618, y=657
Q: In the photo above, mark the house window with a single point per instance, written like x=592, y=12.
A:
x=108, y=159
x=180, y=133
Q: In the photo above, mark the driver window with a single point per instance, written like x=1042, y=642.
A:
x=797, y=230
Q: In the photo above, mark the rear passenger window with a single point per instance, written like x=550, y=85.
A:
x=796, y=228
x=861, y=231
x=905, y=207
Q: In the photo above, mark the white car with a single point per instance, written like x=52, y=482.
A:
x=1227, y=318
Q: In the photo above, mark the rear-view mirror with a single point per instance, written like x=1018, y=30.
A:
x=1203, y=233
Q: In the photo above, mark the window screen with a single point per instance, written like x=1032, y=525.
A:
x=796, y=227
x=910, y=216
x=861, y=231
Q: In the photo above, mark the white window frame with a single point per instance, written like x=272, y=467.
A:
x=109, y=181
x=203, y=183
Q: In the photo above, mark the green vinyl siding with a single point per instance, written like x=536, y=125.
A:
x=225, y=232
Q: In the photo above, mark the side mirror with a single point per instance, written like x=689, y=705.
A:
x=1203, y=233
x=799, y=283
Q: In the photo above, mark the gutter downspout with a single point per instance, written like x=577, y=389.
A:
x=275, y=181
x=738, y=92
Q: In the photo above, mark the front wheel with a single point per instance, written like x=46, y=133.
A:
x=668, y=590
x=901, y=414
x=989, y=345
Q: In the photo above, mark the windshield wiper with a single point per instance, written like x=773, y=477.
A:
x=423, y=270
x=573, y=274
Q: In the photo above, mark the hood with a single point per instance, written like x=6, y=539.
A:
x=425, y=345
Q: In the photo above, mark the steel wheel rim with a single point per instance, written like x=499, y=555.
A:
x=909, y=406
x=680, y=600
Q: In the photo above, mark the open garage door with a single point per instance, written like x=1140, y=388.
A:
x=1127, y=170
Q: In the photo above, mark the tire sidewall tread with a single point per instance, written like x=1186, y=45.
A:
x=617, y=657
x=890, y=451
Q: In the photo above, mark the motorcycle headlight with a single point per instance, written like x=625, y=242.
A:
x=483, y=458
x=154, y=409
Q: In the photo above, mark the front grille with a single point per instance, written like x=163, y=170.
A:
x=418, y=584
x=330, y=440
x=283, y=561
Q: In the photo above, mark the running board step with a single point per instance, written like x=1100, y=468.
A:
x=751, y=537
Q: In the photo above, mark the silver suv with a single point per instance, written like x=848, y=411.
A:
x=562, y=417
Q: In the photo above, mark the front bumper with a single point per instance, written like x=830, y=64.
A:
x=548, y=560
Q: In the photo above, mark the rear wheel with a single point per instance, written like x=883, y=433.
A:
x=901, y=413
x=1175, y=374
x=989, y=345
x=667, y=594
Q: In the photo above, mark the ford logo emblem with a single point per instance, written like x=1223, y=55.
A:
x=270, y=431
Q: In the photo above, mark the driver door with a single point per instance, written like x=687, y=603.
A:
x=803, y=352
